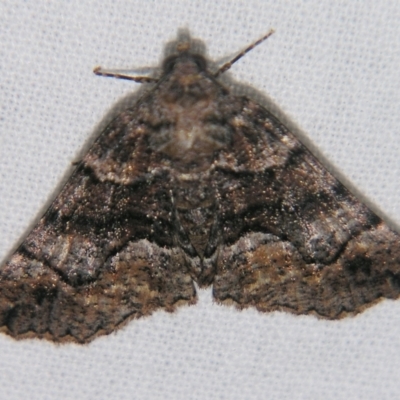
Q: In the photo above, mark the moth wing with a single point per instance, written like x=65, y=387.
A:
x=103, y=253
x=294, y=238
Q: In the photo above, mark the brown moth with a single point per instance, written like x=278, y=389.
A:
x=192, y=183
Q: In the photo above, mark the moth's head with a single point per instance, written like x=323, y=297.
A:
x=185, y=77
x=187, y=60
x=184, y=60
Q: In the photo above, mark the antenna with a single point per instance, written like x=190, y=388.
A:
x=122, y=75
x=229, y=64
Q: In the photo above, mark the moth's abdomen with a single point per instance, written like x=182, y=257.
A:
x=195, y=206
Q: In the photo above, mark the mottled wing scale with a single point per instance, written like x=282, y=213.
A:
x=298, y=240
x=194, y=184
x=92, y=262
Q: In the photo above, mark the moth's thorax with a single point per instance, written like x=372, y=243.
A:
x=189, y=96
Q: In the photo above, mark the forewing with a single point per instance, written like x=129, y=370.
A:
x=103, y=253
x=294, y=238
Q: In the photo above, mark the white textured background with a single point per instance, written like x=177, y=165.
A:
x=332, y=67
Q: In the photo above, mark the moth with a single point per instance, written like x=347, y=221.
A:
x=192, y=183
